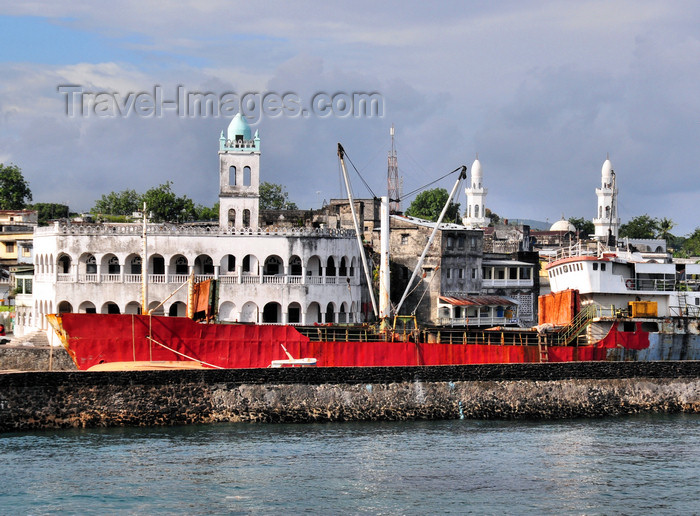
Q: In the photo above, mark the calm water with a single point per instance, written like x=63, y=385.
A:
x=632, y=465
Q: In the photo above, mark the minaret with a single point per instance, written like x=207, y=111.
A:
x=475, y=215
x=607, y=222
x=239, y=176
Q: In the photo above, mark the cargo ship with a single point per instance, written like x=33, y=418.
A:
x=606, y=304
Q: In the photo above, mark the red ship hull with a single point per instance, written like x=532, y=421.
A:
x=93, y=339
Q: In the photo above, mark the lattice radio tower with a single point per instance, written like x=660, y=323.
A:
x=393, y=178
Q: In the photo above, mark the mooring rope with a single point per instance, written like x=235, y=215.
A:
x=183, y=355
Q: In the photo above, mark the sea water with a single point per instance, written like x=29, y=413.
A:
x=628, y=465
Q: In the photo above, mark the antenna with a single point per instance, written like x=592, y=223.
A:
x=393, y=178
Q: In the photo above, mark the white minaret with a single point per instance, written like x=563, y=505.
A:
x=475, y=215
x=607, y=222
x=239, y=176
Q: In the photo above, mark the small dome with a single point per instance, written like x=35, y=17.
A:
x=476, y=169
x=238, y=126
x=606, y=172
x=563, y=226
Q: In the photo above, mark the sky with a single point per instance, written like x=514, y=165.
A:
x=542, y=91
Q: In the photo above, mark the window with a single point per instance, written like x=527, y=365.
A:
x=404, y=239
x=513, y=273
x=595, y=266
x=525, y=273
x=461, y=273
x=90, y=265
x=113, y=265
x=181, y=265
x=450, y=242
x=473, y=273
x=136, y=265
x=9, y=247
x=24, y=285
x=460, y=242
x=26, y=251
x=602, y=266
x=449, y=273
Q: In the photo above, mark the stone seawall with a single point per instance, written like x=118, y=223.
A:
x=39, y=400
x=35, y=358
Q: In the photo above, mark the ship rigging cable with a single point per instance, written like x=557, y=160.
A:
x=409, y=194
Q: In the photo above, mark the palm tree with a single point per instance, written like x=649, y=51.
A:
x=664, y=228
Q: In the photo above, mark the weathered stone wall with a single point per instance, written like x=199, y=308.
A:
x=35, y=358
x=590, y=389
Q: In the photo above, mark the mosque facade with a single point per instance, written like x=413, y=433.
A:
x=265, y=275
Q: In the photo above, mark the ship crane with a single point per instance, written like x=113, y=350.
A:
x=383, y=312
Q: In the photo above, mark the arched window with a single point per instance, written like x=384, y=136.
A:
x=295, y=266
x=476, y=210
x=232, y=175
x=64, y=264
x=330, y=267
x=181, y=265
x=246, y=218
x=136, y=265
x=246, y=176
x=91, y=265
x=113, y=265
x=231, y=218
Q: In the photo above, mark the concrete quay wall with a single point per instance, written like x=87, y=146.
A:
x=43, y=400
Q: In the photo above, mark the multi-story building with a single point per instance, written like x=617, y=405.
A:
x=286, y=275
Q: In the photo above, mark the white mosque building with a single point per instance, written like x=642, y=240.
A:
x=293, y=276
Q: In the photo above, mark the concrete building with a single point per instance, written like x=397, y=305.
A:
x=458, y=285
x=289, y=275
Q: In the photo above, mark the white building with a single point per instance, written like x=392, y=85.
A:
x=475, y=216
x=607, y=222
x=295, y=276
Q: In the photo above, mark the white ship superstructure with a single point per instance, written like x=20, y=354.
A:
x=611, y=278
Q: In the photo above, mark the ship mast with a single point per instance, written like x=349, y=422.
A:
x=393, y=177
x=144, y=268
x=462, y=175
x=341, y=155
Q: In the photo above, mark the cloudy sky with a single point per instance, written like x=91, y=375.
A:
x=541, y=90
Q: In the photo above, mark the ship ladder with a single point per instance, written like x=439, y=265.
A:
x=544, y=353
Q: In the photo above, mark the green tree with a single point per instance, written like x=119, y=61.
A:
x=206, y=213
x=274, y=197
x=429, y=204
x=665, y=226
x=165, y=206
x=118, y=203
x=642, y=226
x=49, y=211
x=14, y=190
x=691, y=246
x=493, y=217
x=584, y=227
